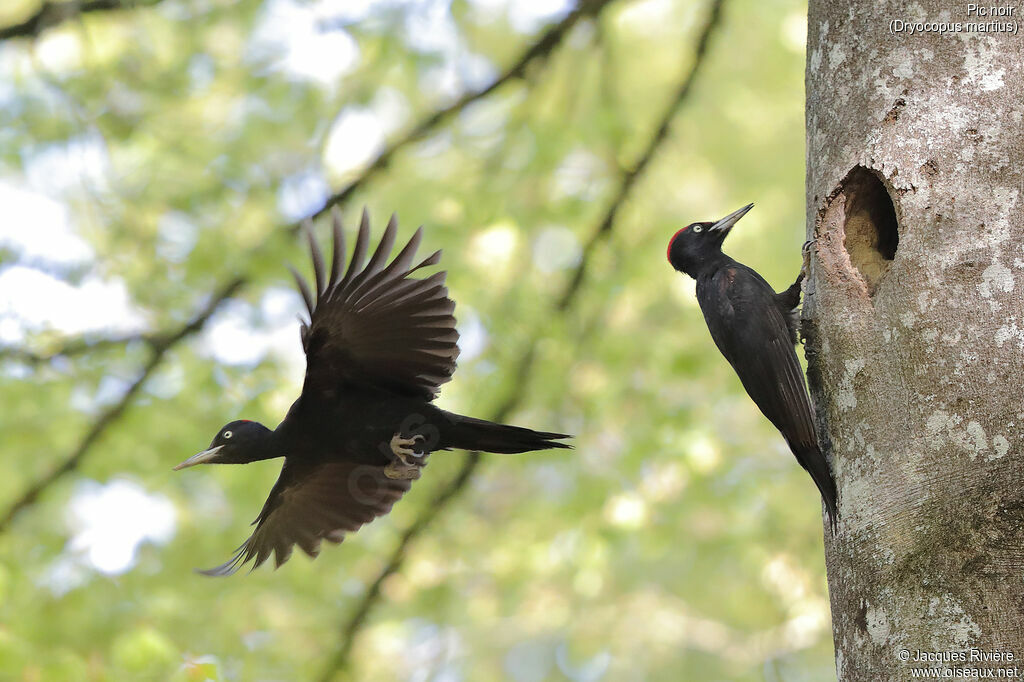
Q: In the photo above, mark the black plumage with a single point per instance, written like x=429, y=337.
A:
x=379, y=344
x=756, y=330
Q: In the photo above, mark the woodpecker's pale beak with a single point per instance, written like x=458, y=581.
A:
x=725, y=224
x=202, y=457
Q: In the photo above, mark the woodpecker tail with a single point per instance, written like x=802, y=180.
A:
x=467, y=433
x=811, y=458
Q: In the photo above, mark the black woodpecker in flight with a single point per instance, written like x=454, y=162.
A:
x=756, y=330
x=379, y=344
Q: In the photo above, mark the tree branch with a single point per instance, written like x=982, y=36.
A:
x=630, y=176
x=459, y=483
x=540, y=50
x=447, y=494
x=161, y=342
x=159, y=345
x=52, y=14
x=69, y=347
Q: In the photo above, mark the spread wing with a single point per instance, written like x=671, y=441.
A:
x=312, y=503
x=375, y=326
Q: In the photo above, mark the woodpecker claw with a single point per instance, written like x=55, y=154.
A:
x=805, y=269
x=403, y=472
x=403, y=450
x=759, y=349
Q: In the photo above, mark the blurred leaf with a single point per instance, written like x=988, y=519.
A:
x=678, y=540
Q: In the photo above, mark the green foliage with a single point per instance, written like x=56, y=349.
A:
x=679, y=540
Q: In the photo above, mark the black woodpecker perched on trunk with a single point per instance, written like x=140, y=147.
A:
x=379, y=344
x=756, y=330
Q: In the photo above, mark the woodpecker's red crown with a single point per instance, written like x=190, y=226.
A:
x=701, y=239
x=668, y=251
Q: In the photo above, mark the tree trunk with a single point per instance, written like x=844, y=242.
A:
x=915, y=332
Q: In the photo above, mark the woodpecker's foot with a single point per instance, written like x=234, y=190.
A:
x=403, y=472
x=403, y=449
x=805, y=269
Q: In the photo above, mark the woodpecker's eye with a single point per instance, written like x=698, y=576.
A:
x=698, y=228
x=227, y=434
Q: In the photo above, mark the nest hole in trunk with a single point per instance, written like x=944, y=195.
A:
x=870, y=233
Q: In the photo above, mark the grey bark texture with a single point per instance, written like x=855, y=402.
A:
x=915, y=349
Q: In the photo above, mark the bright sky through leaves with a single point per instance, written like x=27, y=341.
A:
x=150, y=155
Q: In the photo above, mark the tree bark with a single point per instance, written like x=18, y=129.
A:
x=915, y=332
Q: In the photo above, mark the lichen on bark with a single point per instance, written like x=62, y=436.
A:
x=915, y=346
